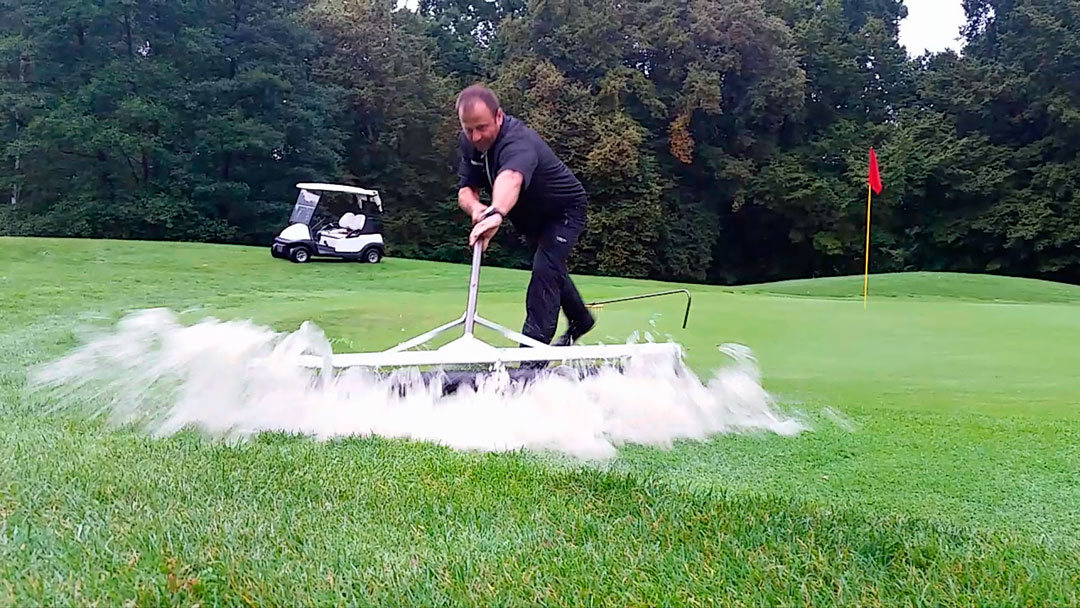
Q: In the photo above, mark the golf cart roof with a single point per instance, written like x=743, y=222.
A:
x=336, y=188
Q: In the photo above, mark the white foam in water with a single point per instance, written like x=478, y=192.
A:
x=235, y=378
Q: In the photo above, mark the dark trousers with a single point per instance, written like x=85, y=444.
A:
x=550, y=287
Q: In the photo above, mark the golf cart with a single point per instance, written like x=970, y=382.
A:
x=332, y=220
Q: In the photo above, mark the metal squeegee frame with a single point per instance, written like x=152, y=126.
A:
x=470, y=350
x=495, y=355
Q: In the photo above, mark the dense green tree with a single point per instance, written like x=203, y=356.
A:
x=168, y=119
x=398, y=113
x=632, y=96
x=809, y=201
x=1003, y=192
x=720, y=141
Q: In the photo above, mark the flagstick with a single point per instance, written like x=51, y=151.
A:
x=866, y=272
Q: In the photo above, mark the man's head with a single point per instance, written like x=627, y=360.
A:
x=480, y=115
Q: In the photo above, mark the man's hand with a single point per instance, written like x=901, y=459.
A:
x=478, y=212
x=485, y=230
x=504, y=197
x=469, y=201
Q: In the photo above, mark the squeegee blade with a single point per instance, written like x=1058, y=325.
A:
x=495, y=356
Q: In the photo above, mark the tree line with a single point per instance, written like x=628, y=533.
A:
x=721, y=141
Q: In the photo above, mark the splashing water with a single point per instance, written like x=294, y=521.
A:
x=232, y=379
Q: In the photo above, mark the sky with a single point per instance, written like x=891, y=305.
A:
x=931, y=25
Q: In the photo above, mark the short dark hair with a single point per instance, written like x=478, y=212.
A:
x=477, y=92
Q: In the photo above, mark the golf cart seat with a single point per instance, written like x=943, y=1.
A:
x=352, y=222
x=349, y=225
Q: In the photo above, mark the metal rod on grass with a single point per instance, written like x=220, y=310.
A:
x=686, y=316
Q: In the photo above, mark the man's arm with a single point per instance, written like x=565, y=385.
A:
x=469, y=201
x=470, y=179
x=507, y=189
x=503, y=198
x=517, y=161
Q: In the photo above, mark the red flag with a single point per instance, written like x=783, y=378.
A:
x=875, y=177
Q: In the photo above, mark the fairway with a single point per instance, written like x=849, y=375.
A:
x=940, y=467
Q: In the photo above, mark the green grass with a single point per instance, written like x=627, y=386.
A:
x=926, y=285
x=941, y=469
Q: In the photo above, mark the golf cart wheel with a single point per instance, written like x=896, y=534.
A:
x=299, y=255
x=373, y=256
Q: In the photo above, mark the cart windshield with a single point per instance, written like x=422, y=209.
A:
x=304, y=208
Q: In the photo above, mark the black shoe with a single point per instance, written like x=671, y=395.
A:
x=573, y=334
x=563, y=340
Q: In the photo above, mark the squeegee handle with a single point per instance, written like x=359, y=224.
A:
x=474, y=283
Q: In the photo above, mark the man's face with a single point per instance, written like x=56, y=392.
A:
x=480, y=125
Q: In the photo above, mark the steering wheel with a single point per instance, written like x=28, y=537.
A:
x=321, y=225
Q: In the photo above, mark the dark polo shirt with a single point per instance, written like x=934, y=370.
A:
x=549, y=190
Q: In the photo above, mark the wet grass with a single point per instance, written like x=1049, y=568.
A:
x=940, y=469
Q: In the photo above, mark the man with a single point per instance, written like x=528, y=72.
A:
x=538, y=193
